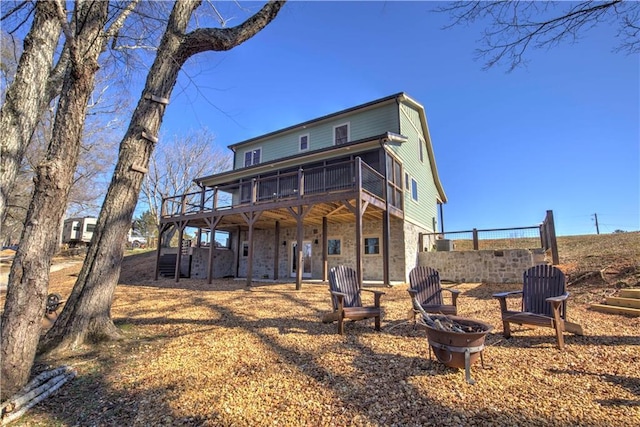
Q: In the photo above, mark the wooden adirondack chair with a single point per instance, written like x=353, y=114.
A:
x=426, y=292
x=544, y=303
x=346, y=299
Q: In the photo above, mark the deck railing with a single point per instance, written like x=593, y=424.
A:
x=336, y=177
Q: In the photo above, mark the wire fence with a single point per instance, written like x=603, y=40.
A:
x=501, y=238
x=532, y=237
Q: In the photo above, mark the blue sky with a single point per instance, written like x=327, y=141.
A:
x=561, y=134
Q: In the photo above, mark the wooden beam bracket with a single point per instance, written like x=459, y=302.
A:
x=158, y=99
x=149, y=137
x=139, y=168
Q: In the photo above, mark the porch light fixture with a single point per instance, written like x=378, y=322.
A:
x=284, y=243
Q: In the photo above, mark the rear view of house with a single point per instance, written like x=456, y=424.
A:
x=356, y=187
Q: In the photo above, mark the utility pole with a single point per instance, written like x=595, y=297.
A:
x=595, y=215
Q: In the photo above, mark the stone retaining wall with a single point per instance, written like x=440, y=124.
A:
x=489, y=266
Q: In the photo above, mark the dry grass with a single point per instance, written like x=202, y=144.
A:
x=218, y=355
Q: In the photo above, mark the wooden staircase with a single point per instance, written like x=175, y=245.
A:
x=167, y=266
x=628, y=302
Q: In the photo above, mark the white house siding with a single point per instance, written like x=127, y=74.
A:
x=362, y=124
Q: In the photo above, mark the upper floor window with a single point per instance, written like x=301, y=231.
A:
x=303, y=142
x=414, y=189
x=341, y=134
x=252, y=157
x=421, y=153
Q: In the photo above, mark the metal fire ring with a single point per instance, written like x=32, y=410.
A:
x=467, y=356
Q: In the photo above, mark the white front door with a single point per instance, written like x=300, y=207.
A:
x=306, y=259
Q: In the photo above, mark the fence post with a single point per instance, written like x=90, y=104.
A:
x=551, y=228
x=475, y=239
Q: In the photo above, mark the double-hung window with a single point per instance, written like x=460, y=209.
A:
x=303, y=142
x=341, y=134
x=414, y=189
x=252, y=157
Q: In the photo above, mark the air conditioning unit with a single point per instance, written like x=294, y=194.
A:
x=444, y=245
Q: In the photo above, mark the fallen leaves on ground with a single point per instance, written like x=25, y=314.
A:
x=220, y=355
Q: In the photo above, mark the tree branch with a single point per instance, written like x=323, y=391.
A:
x=222, y=39
x=516, y=26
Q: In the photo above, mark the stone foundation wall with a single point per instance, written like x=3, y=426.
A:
x=222, y=263
x=489, y=266
x=403, y=248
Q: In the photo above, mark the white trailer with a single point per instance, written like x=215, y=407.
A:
x=78, y=231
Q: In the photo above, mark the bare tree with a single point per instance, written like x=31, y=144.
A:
x=19, y=197
x=515, y=26
x=29, y=276
x=87, y=311
x=90, y=302
x=34, y=86
x=98, y=152
x=175, y=163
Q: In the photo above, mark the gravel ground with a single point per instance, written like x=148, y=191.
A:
x=220, y=355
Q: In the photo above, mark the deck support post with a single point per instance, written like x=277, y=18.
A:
x=299, y=215
x=325, y=250
x=276, y=252
x=212, y=223
x=250, y=218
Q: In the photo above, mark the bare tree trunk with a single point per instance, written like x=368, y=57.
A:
x=27, y=96
x=29, y=276
x=87, y=312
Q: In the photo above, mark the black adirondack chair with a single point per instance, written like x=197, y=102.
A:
x=543, y=303
x=346, y=299
x=426, y=292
